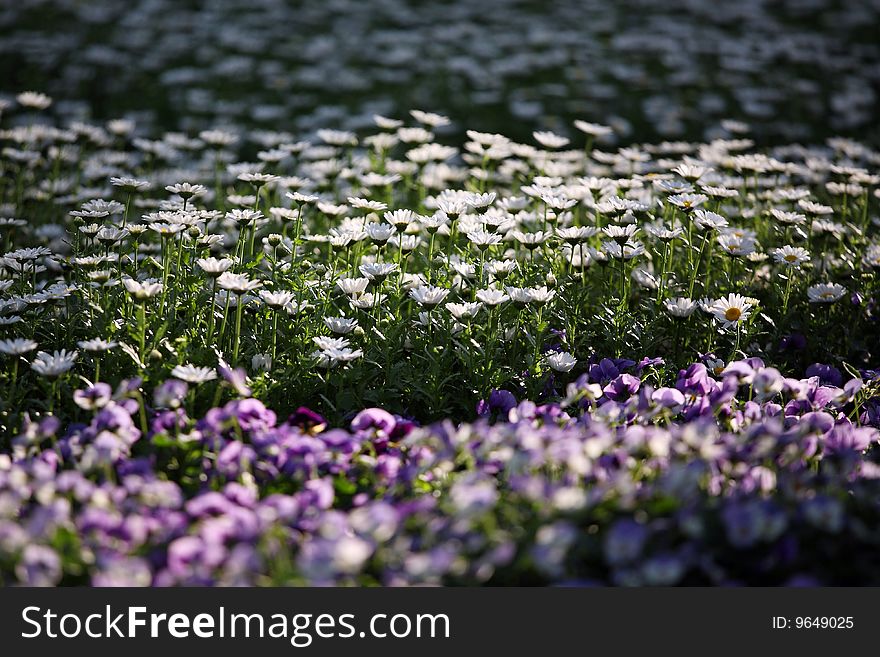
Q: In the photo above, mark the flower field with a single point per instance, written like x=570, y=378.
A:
x=625, y=484
x=384, y=346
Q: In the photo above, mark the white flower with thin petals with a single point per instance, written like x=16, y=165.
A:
x=463, y=311
x=691, y=172
x=628, y=251
x=187, y=190
x=519, y=295
x=576, y=234
x=815, y=209
x=731, y=310
x=687, y=202
x=130, y=184
x=367, y=300
x=366, y=204
x=452, y=207
x=17, y=346
x=213, y=267
x=401, y=218
x=430, y=119
x=492, y=297
x=680, y=307
x=429, y=295
x=97, y=345
x=55, y=364
x=483, y=239
x=379, y=233
x=501, y=269
x=243, y=217
x=791, y=256
x=788, y=218
x=299, y=197
x=33, y=100
x=353, y=286
x=337, y=137
x=550, y=139
x=406, y=243
x=593, y=129
x=378, y=271
x=140, y=291
x=258, y=179
x=871, y=258
x=434, y=222
x=237, y=283
x=193, y=373
x=341, y=325
x=530, y=240
x=344, y=355
x=561, y=361
x=707, y=220
x=825, y=292
x=325, y=343
x=733, y=245
x=621, y=234
x=276, y=300
x=541, y=295
x=261, y=362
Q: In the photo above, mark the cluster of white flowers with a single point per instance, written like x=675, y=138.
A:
x=499, y=261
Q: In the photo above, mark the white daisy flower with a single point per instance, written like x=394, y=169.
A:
x=492, y=297
x=341, y=325
x=550, y=139
x=731, y=310
x=429, y=295
x=463, y=311
x=237, y=283
x=213, y=267
x=561, y=361
x=680, y=307
x=193, y=373
x=276, y=300
x=17, y=346
x=378, y=271
x=687, y=202
x=55, y=364
x=825, y=292
x=140, y=291
x=791, y=256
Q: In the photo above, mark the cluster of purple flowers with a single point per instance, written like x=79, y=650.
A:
x=733, y=475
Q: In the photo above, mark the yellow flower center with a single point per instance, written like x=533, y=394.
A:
x=791, y=258
x=732, y=314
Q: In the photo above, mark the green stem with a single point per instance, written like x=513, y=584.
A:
x=787, y=294
x=696, y=269
x=142, y=325
x=225, y=317
x=127, y=206
x=736, y=344
x=274, y=333
x=238, y=308
x=662, y=281
x=211, y=312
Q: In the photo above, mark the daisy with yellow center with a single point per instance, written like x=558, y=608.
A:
x=825, y=292
x=791, y=256
x=731, y=310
